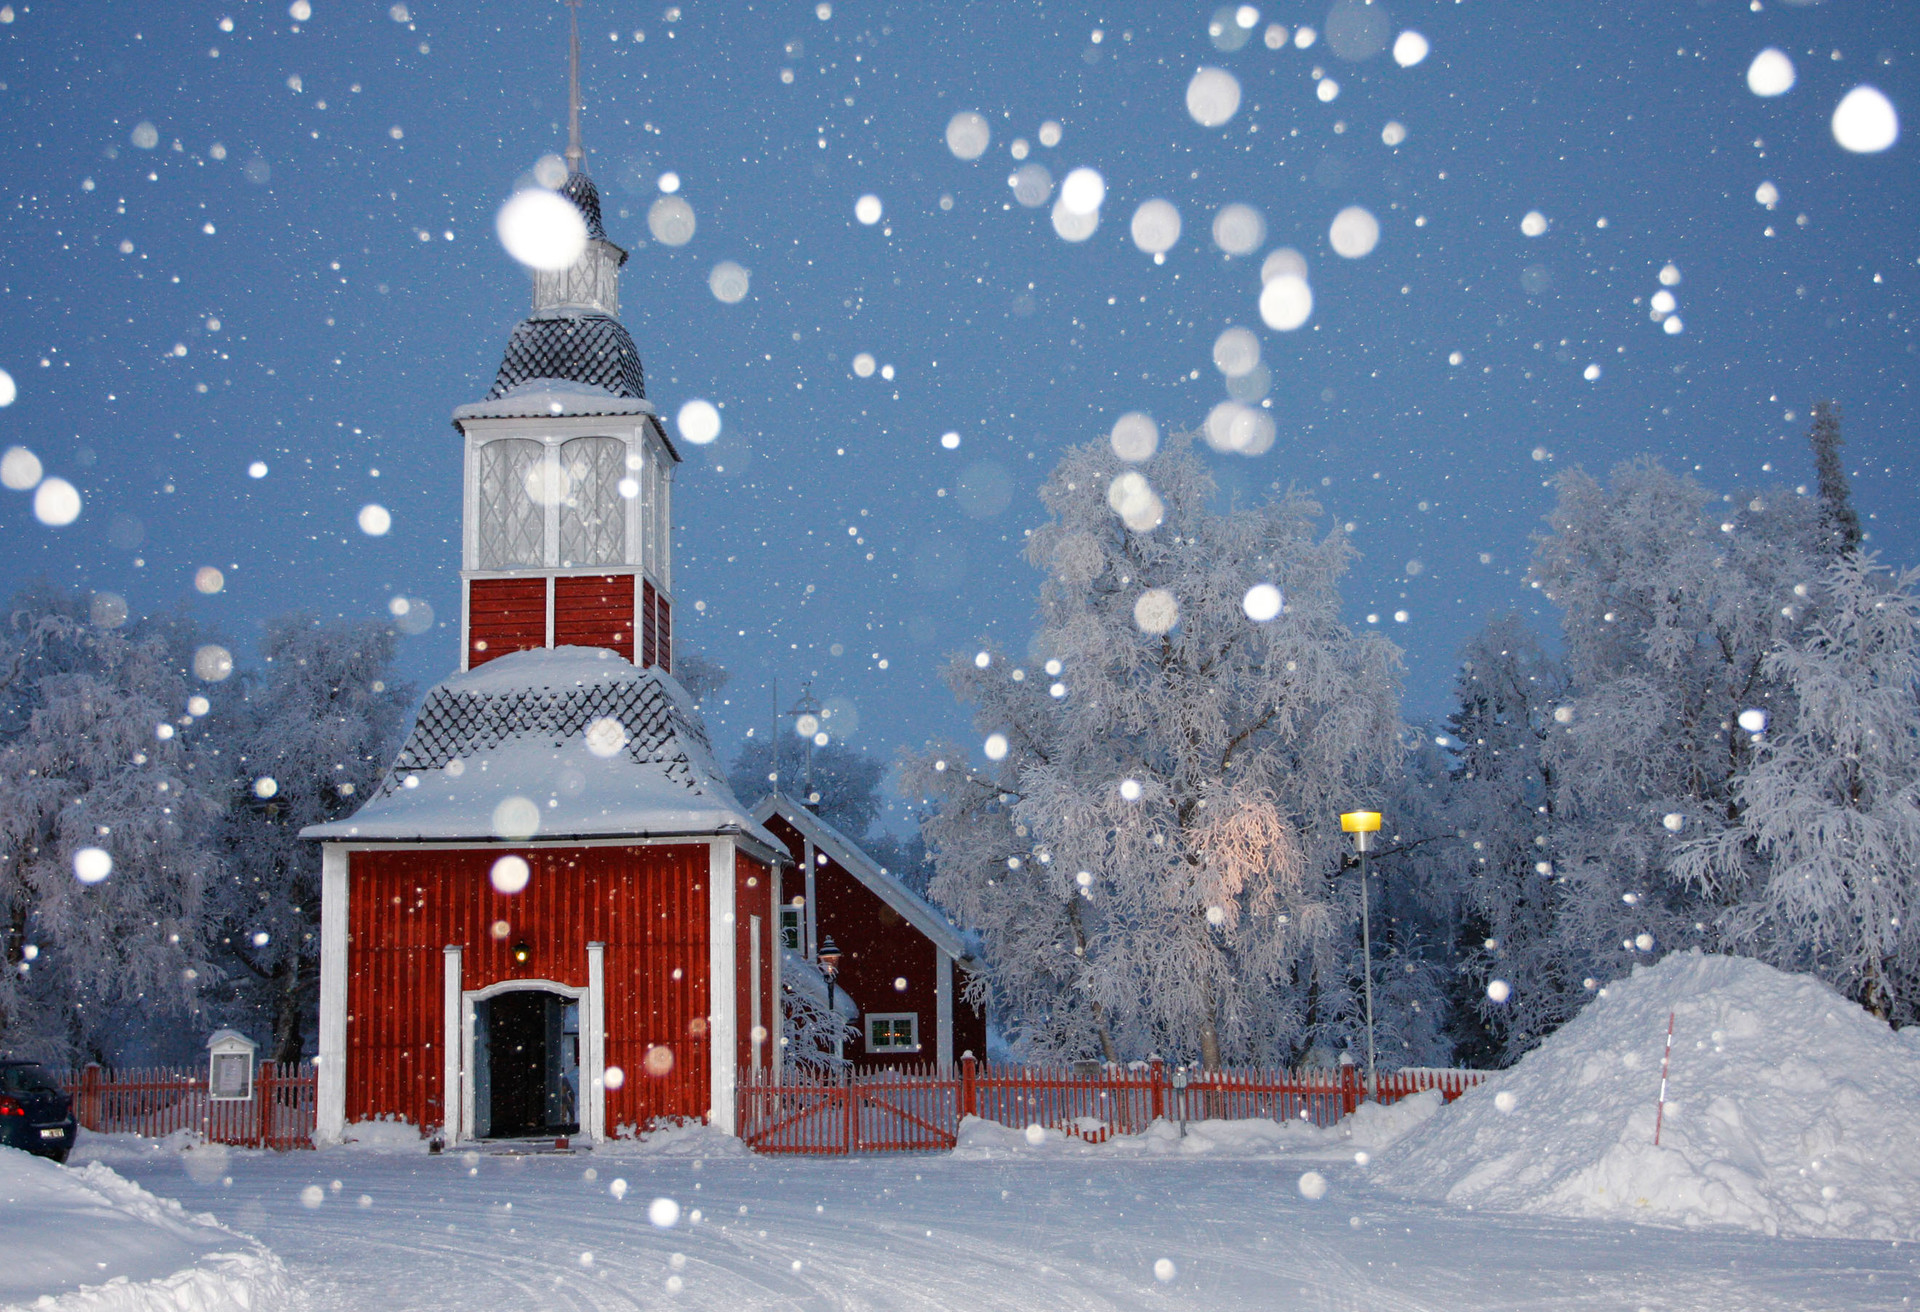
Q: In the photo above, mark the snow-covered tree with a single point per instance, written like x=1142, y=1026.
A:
x=699, y=675
x=1671, y=602
x=106, y=833
x=306, y=743
x=1832, y=802
x=1839, y=521
x=1151, y=847
x=815, y=1028
x=846, y=779
x=1499, y=811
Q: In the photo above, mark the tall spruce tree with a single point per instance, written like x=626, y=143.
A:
x=1839, y=521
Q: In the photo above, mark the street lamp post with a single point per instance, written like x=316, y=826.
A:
x=1363, y=825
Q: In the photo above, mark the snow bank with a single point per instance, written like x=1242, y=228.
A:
x=1368, y=1130
x=671, y=1138
x=384, y=1136
x=86, y=1240
x=1791, y=1111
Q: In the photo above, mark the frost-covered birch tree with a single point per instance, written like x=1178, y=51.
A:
x=1671, y=601
x=1151, y=846
x=1832, y=802
x=106, y=834
x=304, y=743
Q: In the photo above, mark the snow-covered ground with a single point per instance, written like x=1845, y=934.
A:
x=87, y=1240
x=1786, y=1178
x=1002, y=1224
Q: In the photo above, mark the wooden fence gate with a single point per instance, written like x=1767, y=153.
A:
x=919, y=1109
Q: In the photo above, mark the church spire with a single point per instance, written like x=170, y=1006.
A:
x=576, y=157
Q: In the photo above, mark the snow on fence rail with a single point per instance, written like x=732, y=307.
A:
x=918, y=1108
x=157, y=1101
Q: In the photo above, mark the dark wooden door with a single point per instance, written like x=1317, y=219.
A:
x=517, y=1062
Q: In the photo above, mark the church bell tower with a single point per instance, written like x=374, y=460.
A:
x=566, y=534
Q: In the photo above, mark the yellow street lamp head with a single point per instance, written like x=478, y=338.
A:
x=1360, y=822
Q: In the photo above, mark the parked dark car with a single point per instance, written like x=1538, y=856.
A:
x=34, y=1113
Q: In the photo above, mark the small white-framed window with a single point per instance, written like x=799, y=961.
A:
x=893, y=1031
x=791, y=928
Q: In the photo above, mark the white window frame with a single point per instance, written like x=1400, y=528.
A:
x=913, y=1021
x=796, y=917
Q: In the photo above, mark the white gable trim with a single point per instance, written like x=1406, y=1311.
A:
x=842, y=851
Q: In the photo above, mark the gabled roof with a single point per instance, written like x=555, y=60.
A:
x=846, y=853
x=571, y=742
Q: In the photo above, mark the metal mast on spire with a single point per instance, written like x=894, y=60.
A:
x=575, y=156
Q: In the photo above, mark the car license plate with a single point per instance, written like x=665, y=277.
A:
x=54, y=1132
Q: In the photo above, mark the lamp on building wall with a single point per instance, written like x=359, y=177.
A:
x=1363, y=825
x=521, y=953
x=829, y=958
x=829, y=965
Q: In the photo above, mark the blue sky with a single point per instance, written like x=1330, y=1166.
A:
x=350, y=324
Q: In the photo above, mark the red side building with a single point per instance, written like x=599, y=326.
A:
x=553, y=917
x=903, y=964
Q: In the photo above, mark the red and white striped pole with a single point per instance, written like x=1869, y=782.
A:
x=1660, y=1114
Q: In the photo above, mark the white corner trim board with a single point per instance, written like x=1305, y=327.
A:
x=723, y=1024
x=331, y=1120
x=943, y=1007
x=593, y=1025
x=452, y=1104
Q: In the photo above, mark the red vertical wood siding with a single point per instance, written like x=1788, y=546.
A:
x=647, y=904
x=877, y=947
x=505, y=616
x=594, y=611
x=649, y=635
x=663, y=632
x=753, y=896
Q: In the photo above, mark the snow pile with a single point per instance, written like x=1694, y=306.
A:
x=384, y=1136
x=672, y=1138
x=1368, y=1130
x=1790, y=1111
x=86, y=1240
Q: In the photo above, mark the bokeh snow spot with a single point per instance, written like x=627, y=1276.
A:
x=542, y=229
x=509, y=874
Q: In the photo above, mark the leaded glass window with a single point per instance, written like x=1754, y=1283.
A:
x=512, y=522
x=593, y=517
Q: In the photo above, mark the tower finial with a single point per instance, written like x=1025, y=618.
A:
x=575, y=156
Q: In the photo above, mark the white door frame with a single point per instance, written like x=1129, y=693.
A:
x=592, y=1095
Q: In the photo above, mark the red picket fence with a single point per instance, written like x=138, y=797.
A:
x=157, y=1101
x=918, y=1108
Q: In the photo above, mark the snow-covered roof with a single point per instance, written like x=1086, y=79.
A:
x=570, y=347
x=542, y=398
x=579, y=189
x=913, y=908
x=567, y=742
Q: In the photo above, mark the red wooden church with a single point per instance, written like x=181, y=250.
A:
x=554, y=917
